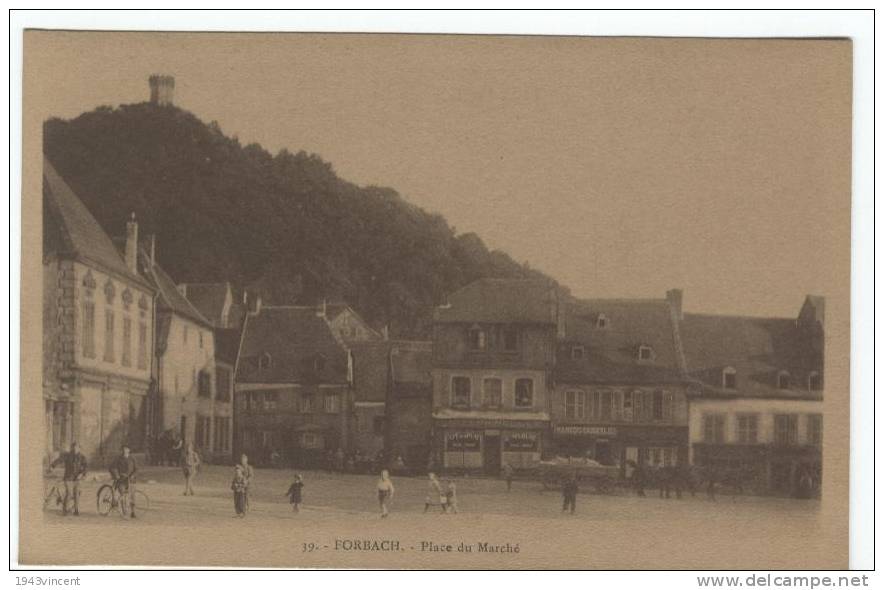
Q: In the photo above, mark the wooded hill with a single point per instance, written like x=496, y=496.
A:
x=283, y=224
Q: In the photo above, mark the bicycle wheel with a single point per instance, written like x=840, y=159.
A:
x=104, y=499
x=53, y=496
x=142, y=500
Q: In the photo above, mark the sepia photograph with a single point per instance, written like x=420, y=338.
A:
x=421, y=301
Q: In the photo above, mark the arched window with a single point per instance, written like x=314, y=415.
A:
x=264, y=361
x=729, y=378
x=601, y=321
x=783, y=380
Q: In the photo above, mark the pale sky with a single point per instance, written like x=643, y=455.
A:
x=621, y=167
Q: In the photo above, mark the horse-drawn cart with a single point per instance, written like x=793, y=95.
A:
x=602, y=478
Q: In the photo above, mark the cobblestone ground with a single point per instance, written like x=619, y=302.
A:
x=608, y=531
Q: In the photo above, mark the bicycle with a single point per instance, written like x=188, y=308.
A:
x=55, y=495
x=116, y=496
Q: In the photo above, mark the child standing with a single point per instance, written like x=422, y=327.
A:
x=451, y=497
x=294, y=492
x=385, y=492
x=239, y=485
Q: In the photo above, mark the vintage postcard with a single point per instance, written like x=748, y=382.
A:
x=435, y=301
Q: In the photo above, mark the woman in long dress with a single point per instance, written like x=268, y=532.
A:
x=385, y=493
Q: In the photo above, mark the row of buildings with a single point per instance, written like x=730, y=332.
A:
x=516, y=371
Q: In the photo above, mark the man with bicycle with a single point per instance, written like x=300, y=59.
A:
x=122, y=471
x=74, y=469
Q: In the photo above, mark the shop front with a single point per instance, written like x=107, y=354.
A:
x=486, y=445
x=624, y=446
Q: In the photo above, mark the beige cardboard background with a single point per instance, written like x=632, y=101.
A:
x=727, y=545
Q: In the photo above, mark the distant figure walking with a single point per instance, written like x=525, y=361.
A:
x=508, y=476
x=190, y=464
x=238, y=485
x=385, y=493
x=638, y=479
x=295, y=491
x=711, y=481
x=569, y=493
x=434, y=493
x=451, y=497
x=249, y=474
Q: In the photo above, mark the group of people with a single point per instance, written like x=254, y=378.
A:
x=122, y=471
x=447, y=497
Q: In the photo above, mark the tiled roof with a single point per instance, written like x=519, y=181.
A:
x=757, y=348
x=79, y=233
x=170, y=299
x=209, y=299
x=611, y=351
x=293, y=337
x=501, y=301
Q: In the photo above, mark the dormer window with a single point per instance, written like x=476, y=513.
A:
x=645, y=353
x=729, y=378
x=577, y=352
x=477, y=338
x=783, y=380
x=814, y=381
x=601, y=321
x=264, y=361
x=318, y=363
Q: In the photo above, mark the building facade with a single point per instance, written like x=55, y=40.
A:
x=493, y=356
x=184, y=372
x=217, y=304
x=756, y=407
x=292, y=387
x=620, y=386
x=409, y=421
x=98, y=331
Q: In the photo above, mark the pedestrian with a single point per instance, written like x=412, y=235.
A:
x=638, y=479
x=434, y=492
x=451, y=497
x=238, y=485
x=385, y=493
x=123, y=470
x=569, y=493
x=508, y=476
x=711, y=480
x=190, y=465
x=175, y=450
x=295, y=491
x=339, y=460
x=74, y=469
x=248, y=474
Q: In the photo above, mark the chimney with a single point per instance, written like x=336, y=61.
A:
x=132, y=245
x=162, y=90
x=674, y=297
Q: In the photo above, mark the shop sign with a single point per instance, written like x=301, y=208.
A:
x=581, y=430
x=462, y=441
x=520, y=441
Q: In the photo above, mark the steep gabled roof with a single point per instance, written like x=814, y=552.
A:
x=610, y=352
x=757, y=348
x=293, y=338
x=209, y=299
x=501, y=301
x=78, y=233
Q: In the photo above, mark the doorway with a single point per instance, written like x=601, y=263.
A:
x=491, y=455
